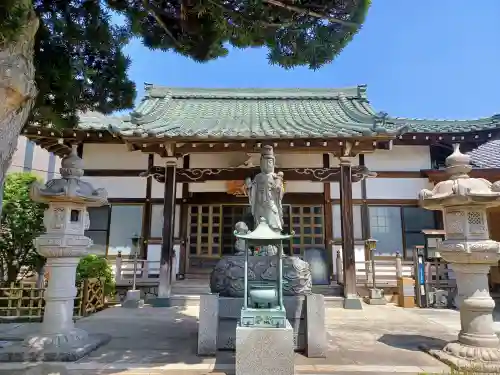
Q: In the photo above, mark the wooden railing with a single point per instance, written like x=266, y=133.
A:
x=386, y=269
x=147, y=272
x=439, y=275
x=24, y=300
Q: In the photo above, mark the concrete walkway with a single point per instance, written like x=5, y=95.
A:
x=154, y=341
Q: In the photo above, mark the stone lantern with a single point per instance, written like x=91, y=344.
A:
x=470, y=253
x=63, y=244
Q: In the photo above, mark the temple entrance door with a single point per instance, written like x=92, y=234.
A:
x=211, y=227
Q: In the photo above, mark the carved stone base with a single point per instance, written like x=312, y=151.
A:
x=227, y=278
x=62, y=347
x=464, y=357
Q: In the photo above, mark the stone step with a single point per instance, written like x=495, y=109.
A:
x=197, y=276
x=194, y=300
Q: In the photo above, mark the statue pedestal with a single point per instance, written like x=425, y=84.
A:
x=264, y=351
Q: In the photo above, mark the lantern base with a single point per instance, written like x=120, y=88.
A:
x=64, y=347
x=465, y=357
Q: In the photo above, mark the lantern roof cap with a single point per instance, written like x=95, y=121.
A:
x=69, y=188
x=460, y=188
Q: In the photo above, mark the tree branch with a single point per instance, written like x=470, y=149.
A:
x=153, y=11
x=247, y=20
x=304, y=12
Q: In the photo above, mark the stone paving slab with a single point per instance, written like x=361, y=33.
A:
x=168, y=370
x=377, y=339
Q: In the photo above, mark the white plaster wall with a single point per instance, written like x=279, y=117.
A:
x=335, y=190
x=208, y=187
x=303, y=187
x=18, y=157
x=395, y=188
x=400, y=158
x=40, y=161
x=217, y=160
x=235, y=159
x=112, y=156
x=120, y=187
x=158, y=190
x=291, y=187
x=291, y=160
x=40, y=164
x=160, y=162
x=335, y=161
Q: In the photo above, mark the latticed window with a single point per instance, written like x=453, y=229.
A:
x=205, y=230
x=307, y=223
x=476, y=222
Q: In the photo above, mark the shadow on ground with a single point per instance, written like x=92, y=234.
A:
x=151, y=337
x=411, y=342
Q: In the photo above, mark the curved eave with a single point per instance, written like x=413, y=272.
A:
x=481, y=136
x=438, y=126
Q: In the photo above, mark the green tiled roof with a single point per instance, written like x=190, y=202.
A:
x=267, y=113
x=445, y=126
x=254, y=113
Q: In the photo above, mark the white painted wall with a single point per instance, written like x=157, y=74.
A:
x=120, y=187
x=158, y=190
x=235, y=159
x=112, y=156
x=335, y=190
x=400, y=158
x=18, y=157
x=395, y=188
x=40, y=161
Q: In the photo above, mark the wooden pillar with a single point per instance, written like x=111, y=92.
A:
x=167, y=247
x=183, y=222
x=328, y=218
x=351, y=300
x=146, y=219
x=365, y=223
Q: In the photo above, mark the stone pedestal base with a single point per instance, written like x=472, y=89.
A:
x=68, y=347
x=133, y=300
x=376, y=297
x=469, y=358
x=352, y=303
x=161, y=302
x=264, y=351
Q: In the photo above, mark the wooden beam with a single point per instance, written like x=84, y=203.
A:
x=191, y=175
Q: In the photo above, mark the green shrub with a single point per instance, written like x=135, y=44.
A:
x=96, y=266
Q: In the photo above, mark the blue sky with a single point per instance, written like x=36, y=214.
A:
x=419, y=58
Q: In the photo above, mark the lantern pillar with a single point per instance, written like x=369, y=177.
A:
x=63, y=244
x=470, y=253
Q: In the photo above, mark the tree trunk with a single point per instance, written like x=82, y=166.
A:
x=17, y=90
